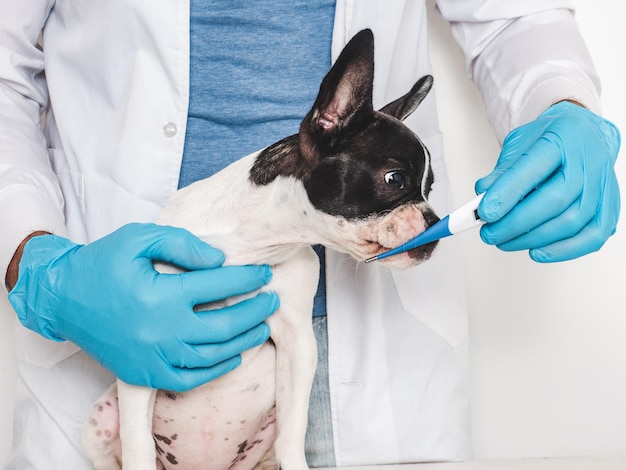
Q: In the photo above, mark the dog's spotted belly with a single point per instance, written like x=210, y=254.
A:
x=206, y=442
x=226, y=424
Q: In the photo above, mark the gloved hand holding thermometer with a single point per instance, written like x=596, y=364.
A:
x=554, y=190
x=107, y=298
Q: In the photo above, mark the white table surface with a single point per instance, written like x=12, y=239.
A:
x=569, y=463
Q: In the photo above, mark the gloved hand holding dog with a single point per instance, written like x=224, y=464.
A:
x=107, y=298
x=554, y=190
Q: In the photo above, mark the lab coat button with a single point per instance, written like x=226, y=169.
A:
x=170, y=129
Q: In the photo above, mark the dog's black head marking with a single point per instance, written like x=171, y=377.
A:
x=354, y=161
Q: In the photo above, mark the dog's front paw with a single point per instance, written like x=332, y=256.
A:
x=301, y=466
x=293, y=462
x=269, y=462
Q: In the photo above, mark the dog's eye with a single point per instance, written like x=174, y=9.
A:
x=395, y=179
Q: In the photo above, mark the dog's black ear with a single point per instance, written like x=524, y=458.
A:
x=345, y=92
x=344, y=95
x=404, y=106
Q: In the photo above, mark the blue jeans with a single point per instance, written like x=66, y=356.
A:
x=319, y=447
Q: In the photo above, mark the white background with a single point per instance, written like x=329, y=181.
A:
x=548, y=342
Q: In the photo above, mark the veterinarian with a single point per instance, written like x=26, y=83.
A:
x=142, y=98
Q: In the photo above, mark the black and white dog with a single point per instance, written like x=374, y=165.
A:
x=355, y=180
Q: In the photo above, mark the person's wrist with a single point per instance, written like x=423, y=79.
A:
x=14, y=265
x=577, y=103
x=41, y=263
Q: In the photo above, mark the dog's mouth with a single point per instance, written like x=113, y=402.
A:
x=379, y=235
x=377, y=248
x=416, y=255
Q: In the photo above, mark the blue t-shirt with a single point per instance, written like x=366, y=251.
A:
x=255, y=70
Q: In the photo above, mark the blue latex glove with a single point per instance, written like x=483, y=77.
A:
x=107, y=298
x=554, y=190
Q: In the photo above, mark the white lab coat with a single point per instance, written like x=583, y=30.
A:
x=116, y=74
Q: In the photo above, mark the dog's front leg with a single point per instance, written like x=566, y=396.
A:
x=296, y=354
x=136, y=406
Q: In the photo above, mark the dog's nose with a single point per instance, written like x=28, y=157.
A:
x=430, y=218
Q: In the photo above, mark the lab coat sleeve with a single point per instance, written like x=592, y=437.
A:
x=522, y=56
x=30, y=198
